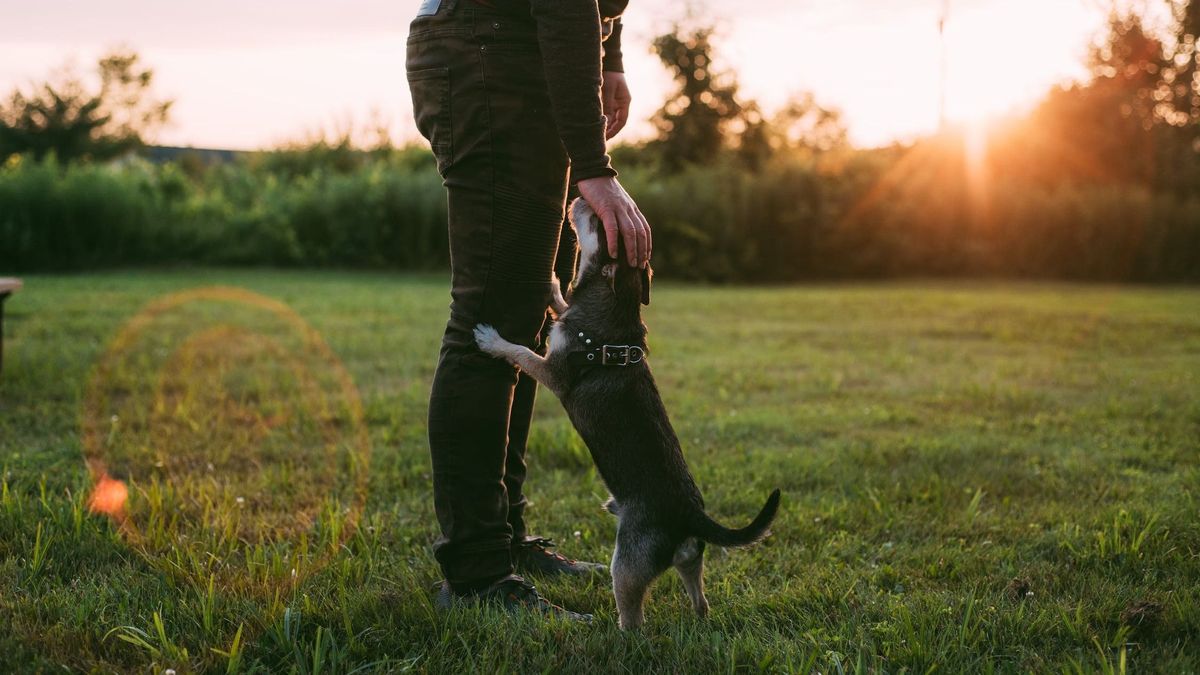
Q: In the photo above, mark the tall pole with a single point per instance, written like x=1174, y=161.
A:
x=945, y=16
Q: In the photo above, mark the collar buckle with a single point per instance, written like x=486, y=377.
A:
x=620, y=355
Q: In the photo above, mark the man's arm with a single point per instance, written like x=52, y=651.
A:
x=569, y=37
x=614, y=93
x=614, y=61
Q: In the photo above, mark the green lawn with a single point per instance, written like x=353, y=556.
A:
x=975, y=476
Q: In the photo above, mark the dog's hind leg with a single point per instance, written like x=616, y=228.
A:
x=632, y=572
x=689, y=563
x=491, y=342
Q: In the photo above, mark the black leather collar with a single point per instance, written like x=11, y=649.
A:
x=611, y=355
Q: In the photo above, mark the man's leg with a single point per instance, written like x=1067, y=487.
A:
x=519, y=422
x=521, y=418
x=487, y=116
x=533, y=554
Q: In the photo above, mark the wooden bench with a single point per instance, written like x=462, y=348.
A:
x=8, y=286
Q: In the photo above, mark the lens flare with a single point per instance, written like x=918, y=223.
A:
x=227, y=441
x=108, y=497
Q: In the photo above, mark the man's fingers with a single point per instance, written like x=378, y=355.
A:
x=637, y=238
x=618, y=121
x=621, y=219
x=621, y=103
x=611, y=110
x=649, y=236
x=611, y=230
x=640, y=234
x=640, y=229
x=629, y=229
x=643, y=250
x=644, y=245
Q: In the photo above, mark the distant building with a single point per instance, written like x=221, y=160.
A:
x=169, y=153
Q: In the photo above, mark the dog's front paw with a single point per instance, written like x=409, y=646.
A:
x=489, y=339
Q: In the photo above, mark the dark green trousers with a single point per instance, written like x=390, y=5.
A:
x=479, y=98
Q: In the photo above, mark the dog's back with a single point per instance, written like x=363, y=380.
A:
x=641, y=461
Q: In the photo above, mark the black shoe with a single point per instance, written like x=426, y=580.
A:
x=512, y=594
x=533, y=556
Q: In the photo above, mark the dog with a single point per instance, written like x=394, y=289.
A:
x=596, y=365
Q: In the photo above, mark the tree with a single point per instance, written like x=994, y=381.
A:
x=692, y=124
x=73, y=122
x=1136, y=120
x=800, y=126
x=705, y=115
x=1107, y=129
x=803, y=124
x=1182, y=74
x=1179, y=95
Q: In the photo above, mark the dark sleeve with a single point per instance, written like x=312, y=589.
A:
x=613, y=63
x=569, y=37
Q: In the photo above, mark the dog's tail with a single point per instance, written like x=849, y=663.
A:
x=714, y=533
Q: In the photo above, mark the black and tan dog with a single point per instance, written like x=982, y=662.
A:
x=596, y=365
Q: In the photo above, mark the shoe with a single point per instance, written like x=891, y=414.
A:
x=533, y=556
x=512, y=594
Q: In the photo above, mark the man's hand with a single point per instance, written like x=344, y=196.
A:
x=615, y=95
x=619, y=214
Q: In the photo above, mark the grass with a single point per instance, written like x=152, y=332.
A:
x=977, y=477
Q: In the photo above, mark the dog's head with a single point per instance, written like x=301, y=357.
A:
x=593, y=255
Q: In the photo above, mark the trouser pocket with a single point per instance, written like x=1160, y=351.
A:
x=430, y=89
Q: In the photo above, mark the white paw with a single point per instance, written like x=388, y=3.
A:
x=488, y=339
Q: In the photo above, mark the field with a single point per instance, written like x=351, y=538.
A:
x=976, y=477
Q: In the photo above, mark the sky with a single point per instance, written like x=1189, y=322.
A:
x=255, y=73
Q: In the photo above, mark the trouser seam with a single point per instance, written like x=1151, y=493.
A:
x=491, y=153
x=487, y=275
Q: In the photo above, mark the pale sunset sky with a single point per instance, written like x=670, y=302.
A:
x=253, y=73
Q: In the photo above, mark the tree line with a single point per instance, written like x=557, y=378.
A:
x=1100, y=181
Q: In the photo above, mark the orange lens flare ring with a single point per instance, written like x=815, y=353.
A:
x=180, y=417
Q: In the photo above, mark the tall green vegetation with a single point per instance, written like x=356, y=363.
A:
x=861, y=214
x=383, y=212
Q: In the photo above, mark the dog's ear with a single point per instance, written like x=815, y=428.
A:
x=646, y=274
